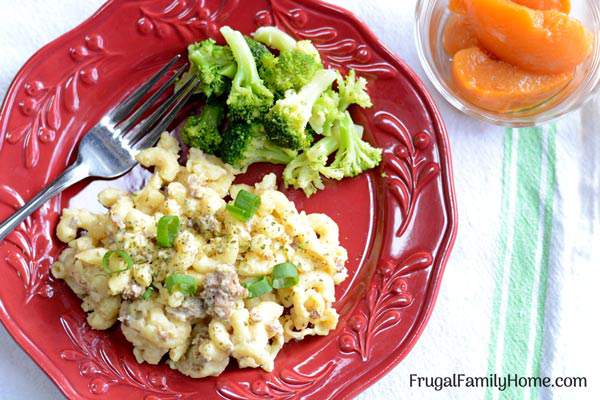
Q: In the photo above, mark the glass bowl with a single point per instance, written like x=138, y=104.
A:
x=431, y=19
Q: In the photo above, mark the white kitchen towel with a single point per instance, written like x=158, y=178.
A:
x=520, y=291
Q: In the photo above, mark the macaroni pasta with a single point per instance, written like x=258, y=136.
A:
x=115, y=264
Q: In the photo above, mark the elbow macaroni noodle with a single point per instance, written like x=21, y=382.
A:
x=200, y=332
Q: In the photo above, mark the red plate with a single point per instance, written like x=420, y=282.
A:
x=398, y=222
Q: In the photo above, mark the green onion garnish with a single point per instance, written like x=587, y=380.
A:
x=148, y=292
x=245, y=205
x=167, y=230
x=122, y=255
x=258, y=286
x=237, y=213
x=284, y=275
x=185, y=284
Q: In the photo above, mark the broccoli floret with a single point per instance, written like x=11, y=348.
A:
x=307, y=47
x=287, y=121
x=290, y=71
x=303, y=174
x=296, y=65
x=319, y=153
x=245, y=144
x=263, y=58
x=353, y=90
x=325, y=112
x=213, y=65
x=259, y=51
x=278, y=39
x=274, y=38
x=354, y=155
x=202, y=131
x=249, y=99
x=331, y=105
x=305, y=171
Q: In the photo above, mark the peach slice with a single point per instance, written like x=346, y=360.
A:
x=546, y=42
x=497, y=86
x=458, y=34
x=558, y=5
x=459, y=6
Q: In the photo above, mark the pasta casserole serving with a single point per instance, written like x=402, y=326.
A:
x=196, y=278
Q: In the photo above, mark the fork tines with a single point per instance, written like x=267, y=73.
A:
x=137, y=134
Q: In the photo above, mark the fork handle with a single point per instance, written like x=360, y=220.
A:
x=75, y=173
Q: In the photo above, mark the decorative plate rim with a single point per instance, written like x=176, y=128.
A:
x=446, y=242
x=446, y=171
x=445, y=153
x=41, y=360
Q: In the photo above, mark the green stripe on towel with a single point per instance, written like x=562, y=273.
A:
x=547, y=241
x=508, y=183
x=529, y=183
x=523, y=263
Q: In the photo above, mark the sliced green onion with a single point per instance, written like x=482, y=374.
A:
x=247, y=201
x=238, y=213
x=148, y=292
x=122, y=255
x=258, y=286
x=185, y=284
x=245, y=205
x=284, y=275
x=167, y=230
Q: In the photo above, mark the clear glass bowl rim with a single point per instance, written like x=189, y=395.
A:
x=587, y=89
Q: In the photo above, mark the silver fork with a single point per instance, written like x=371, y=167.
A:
x=108, y=150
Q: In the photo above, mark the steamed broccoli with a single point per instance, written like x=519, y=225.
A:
x=306, y=106
x=290, y=71
x=264, y=59
x=249, y=99
x=275, y=38
x=213, y=65
x=260, y=52
x=287, y=121
x=353, y=90
x=306, y=47
x=325, y=112
x=301, y=173
x=354, y=155
x=278, y=39
x=244, y=144
x=305, y=171
x=296, y=65
x=202, y=131
x=331, y=105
